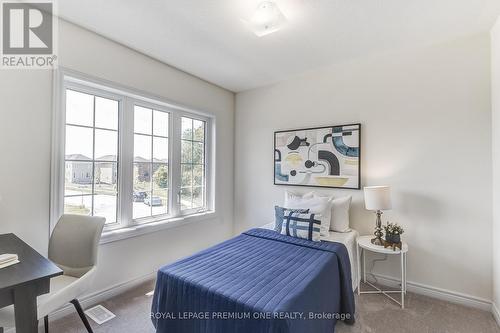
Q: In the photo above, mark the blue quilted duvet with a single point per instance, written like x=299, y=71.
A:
x=259, y=281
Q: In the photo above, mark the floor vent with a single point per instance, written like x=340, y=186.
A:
x=99, y=314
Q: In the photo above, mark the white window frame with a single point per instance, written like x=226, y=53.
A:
x=178, y=155
x=125, y=226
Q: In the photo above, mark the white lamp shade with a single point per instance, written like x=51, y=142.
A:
x=378, y=197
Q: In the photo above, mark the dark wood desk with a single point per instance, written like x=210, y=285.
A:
x=22, y=283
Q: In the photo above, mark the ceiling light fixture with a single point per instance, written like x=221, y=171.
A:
x=267, y=19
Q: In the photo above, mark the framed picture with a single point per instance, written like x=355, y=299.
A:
x=322, y=156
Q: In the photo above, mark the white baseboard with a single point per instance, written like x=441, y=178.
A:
x=438, y=293
x=417, y=288
x=102, y=295
x=496, y=313
x=97, y=297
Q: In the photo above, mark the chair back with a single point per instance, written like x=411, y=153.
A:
x=74, y=243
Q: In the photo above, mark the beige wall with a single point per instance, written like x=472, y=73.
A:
x=495, y=94
x=426, y=132
x=25, y=132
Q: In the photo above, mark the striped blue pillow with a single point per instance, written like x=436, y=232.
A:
x=279, y=213
x=302, y=225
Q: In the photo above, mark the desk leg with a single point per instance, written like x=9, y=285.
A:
x=25, y=309
x=402, y=280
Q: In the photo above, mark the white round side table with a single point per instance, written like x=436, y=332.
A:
x=365, y=244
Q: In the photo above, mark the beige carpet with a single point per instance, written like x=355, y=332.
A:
x=374, y=314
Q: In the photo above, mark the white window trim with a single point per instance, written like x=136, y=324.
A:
x=126, y=227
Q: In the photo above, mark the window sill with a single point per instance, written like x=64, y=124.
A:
x=110, y=236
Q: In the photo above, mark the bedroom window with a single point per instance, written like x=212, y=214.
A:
x=128, y=157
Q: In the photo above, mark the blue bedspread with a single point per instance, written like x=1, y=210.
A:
x=259, y=281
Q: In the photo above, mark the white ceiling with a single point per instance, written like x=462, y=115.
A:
x=209, y=39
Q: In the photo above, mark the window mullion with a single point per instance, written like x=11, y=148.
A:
x=175, y=163
x=125, y=174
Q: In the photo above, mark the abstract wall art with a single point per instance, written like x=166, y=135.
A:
x=321, y=156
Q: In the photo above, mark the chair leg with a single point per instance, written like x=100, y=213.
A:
x=46, y=323
x=79, y=309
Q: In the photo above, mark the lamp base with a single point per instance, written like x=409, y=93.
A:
x=378, y=241
x=378, y=230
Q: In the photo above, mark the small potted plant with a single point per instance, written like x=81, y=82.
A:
x=393, y=233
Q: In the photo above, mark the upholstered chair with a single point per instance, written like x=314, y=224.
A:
x=73, y=246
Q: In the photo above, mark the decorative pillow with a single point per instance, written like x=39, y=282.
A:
x=315, y=204
x=328, y=216
x=340, y=212
x=279, y=213
x=299, y=225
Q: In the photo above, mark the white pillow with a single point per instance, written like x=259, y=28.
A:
x=315, y=204
x=340, y=212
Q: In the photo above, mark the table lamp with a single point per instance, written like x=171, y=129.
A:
x=377, y=199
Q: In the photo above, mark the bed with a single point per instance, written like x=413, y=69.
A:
x=259, y=281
